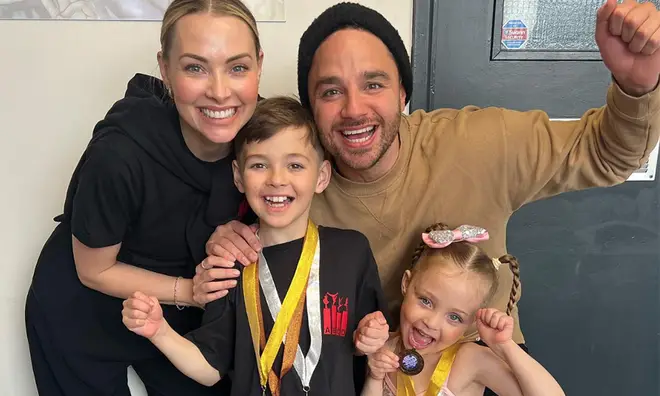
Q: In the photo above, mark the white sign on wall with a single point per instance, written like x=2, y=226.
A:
x=648, y=170
x=109, y=10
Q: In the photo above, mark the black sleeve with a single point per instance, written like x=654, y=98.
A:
x=107, y=197
x=370, y=293
x=216, y=337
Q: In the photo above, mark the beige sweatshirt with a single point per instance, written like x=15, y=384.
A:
x=477, y=166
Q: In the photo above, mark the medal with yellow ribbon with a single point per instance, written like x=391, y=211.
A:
x=405, y=386
x=287, y=315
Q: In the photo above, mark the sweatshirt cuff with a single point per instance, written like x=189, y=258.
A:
x=637, y=108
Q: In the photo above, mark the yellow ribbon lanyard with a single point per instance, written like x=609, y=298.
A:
x=404, y=383
x=292, y=303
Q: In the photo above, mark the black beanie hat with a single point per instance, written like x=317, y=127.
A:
x=345, y=15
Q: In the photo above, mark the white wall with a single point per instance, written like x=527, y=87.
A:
x=52, y=92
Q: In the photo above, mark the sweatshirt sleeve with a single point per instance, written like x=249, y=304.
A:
x=604, y=147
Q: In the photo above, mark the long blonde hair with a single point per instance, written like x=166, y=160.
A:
x=180, y=8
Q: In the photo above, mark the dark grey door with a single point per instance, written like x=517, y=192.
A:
x=590, y=260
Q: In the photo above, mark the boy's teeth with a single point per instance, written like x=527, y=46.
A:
x=278, y=198
x=359, y=131
x=277, y=201
x=219, y=114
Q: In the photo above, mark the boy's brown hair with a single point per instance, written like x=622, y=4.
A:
x=273, y=115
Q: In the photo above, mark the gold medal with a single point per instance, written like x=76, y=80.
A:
x=404, y=384
x=411, y=362
x=288, y=320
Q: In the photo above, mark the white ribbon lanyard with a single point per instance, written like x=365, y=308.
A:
x=304, y=365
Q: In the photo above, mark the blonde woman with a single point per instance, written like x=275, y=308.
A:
x=138, y=209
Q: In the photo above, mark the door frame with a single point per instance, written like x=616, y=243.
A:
x=422, y=49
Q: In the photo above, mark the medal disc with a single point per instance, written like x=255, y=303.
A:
x=411, y=362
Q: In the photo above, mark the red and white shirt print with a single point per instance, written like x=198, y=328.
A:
x=335, y=314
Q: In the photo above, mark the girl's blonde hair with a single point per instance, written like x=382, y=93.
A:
x=468, y=257
x=180, y=8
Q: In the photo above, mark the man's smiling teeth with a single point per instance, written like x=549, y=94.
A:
x=219, y=114
x=359, y=135
x=368, y=129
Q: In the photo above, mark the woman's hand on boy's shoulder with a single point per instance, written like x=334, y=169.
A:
x=235, y=241
x=213, y=279
x=371, y=334
x=230, y=243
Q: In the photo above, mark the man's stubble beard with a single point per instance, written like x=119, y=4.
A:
x=389, y=132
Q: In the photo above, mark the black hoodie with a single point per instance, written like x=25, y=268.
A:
x=147, y=116
x=175, y=202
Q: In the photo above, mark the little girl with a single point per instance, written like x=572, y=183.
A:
x=449, y=282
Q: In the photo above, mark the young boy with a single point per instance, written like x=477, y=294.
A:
x=317, y=291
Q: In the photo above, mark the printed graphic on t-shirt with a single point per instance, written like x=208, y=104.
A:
x=335, y=314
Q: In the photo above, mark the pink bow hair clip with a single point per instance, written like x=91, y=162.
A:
x=443, y=238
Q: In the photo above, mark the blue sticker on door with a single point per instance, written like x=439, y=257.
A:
x=514, y=34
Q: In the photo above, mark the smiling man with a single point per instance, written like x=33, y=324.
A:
x=394, y=174
x=360, y=136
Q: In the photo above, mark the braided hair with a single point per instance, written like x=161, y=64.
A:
x=469, y=257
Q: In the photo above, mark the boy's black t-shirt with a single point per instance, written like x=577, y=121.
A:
x=348, y=281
